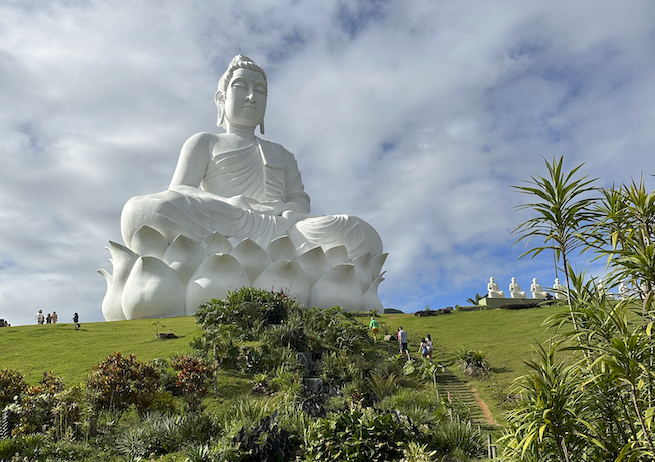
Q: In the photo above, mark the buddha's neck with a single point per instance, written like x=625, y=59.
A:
x=241, y=132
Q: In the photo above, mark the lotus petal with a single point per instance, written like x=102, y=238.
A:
x=214, y=278
x=314, y=263
x=122, y=260
x=152, y=290
x=216, y=243
x=371, y=299
x=363, y=270
x=281, y=248
x=339, y=286
x=337, y=255
x=184, y=255
x=287, y=276
x=149, y=242
x=376, y=264
x=252, y=257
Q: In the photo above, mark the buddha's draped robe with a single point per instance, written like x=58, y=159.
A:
x=263, y=171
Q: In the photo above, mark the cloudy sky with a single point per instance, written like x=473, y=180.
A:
x=416, y=115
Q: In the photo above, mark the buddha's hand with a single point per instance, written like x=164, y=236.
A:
x=242, y=202
x=273, y=207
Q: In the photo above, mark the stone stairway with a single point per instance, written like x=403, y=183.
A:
x=460, y=393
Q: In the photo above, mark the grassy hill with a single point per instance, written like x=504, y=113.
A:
x=72, y=353
x=505, y=336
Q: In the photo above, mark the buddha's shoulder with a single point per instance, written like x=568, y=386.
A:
x=203, y=137
x=200, y=143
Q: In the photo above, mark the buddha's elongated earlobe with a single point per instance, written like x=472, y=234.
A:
x=261, y=127
x=221, y=109
x=221, y=116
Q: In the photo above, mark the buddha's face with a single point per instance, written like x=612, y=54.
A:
x=245, y=99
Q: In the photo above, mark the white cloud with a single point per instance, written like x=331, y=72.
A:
x=416, y=116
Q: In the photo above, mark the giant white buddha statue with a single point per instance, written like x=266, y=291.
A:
x=236, y=189
x=515, y=290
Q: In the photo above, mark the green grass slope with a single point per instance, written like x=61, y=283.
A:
x=506, y=336
x=72, y=353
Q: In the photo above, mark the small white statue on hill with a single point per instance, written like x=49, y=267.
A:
x=624, y=291
x=537, y=291
x=515, y=290
x=560, y=290
x=493, y=291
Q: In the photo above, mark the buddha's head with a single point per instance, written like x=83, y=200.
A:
x=241, y=94
x=534, y=280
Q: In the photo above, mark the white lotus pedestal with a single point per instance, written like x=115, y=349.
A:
x=157, y=280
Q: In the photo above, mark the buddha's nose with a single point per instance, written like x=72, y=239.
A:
x=250, y=97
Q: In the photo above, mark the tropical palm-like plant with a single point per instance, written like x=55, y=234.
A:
x=548, y=422
x=625, y=234
x=563, y=208
x=475, y=301
x=600, y=405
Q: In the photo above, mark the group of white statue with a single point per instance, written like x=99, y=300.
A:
x=493, y=291
x=236, y=214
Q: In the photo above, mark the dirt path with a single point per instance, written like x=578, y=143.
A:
x=486, y=413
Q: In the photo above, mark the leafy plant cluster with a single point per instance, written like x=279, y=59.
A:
x=48, y=421
x=600, y=404
x=133, y=410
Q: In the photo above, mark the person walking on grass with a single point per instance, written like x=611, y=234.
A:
x=39, y=317
x=54, y=317
x=375, y=328
x=76, y=320
x=428, y=340
x=402, y=339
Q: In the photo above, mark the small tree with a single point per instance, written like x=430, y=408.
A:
x=563, y=211
x=193, y=377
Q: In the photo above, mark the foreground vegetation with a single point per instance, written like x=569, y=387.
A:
x=598, y=404
x=239, y=393
x=317, y=388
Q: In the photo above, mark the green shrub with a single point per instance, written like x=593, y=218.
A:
x=199, y=428
x=193, y=378
x=120, y=382
x=200, y=453
x=455, y=436
x=265, y=442
x=339, y=368
x=9, y=447
x=40, y=403
x=382, y=386
x=358, y=436
x=467, y=358
x=248, y=308
x=11, y=385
